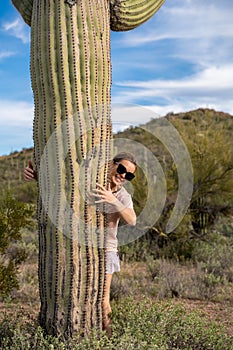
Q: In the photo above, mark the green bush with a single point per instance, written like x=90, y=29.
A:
x=188, y=280
x=166, y=326
x=143, y=326
x=14, y=216
x=216, y=257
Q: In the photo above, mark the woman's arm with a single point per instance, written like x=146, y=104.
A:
x=127, y=214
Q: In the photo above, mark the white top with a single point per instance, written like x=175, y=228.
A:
x=113, y=219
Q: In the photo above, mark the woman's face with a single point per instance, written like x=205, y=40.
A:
x=119, y=179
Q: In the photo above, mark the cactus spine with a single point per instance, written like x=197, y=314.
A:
x=71, y=79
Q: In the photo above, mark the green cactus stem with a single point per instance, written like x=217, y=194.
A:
x=71, y=81
x=127, y=15
x=25, y=9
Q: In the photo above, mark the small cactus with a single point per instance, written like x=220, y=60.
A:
x=71, y=80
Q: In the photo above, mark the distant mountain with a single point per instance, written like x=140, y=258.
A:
x=199, y=119
x=204, y=116
x=12, y=165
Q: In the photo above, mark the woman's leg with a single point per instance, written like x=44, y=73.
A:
x=106, y=302
x=112, y=265
x=106, y=306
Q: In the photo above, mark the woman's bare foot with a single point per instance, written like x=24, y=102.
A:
x=107, y=320
x=107, y=325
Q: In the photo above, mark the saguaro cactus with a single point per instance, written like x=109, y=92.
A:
x=71, y=80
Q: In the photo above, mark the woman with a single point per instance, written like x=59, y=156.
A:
x=119, y=206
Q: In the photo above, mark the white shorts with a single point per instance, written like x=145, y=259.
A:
x=112, y=262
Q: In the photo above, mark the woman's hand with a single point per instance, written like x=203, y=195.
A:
x=29, y=173
x=104, y=195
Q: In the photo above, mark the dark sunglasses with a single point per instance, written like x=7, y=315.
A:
x=122, y=170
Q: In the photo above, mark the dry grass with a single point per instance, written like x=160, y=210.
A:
x=134, y=280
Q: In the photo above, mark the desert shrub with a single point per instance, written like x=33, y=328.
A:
x=204, y=285
x=166, y=326
x=136, y=251
x=216, y=257
x=158, y=244
x=178, y=280
x=225, y=226
x=143, y=326
x=30, y=241
x=168, y=276
x=26, y=273
x=27, y=192
x=119, y=288
x=14, y=216
x=12, y=336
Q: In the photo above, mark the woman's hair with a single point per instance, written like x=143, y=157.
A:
x=125, y=156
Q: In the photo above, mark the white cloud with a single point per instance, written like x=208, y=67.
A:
x=16, y=123
x=6, y=54
x=188, y=47
x=211, y=87
x=214, y=78
x=16, y=113
x=18, y=29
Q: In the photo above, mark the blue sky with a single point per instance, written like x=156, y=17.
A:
x=181, y=59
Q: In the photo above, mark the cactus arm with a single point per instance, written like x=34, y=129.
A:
x=25, y=9
x=129, y=14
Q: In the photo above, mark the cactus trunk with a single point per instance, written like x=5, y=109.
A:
x=70, y=71
x=71, y=79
